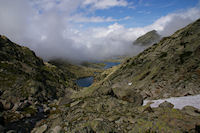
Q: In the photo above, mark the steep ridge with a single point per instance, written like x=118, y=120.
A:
x=168, y=68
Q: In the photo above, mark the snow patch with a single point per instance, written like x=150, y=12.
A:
x=179, y=102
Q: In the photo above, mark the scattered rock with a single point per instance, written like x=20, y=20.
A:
x=166, y=105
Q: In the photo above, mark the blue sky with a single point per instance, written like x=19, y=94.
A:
x=142, y=12
x=91, y=29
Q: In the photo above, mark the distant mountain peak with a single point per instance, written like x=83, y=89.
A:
x=148, y=39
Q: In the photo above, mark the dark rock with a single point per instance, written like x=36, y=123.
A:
x=197, y=129
x=2, y=121
x=23, y=106
x=1, y=92
x=1, y=107
x=1, y=129
x=166, y=105
x=148, y=109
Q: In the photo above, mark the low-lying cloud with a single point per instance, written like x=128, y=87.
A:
x=46, y=27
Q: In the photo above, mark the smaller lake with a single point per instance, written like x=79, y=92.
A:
x=110, y=64
x=85, y=82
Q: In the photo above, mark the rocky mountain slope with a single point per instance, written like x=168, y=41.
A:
x=24, y=75
x=114, y=103
x=168, y=68
x=27, y=84
x=148, y=39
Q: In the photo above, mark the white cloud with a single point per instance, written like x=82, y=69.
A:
x=80, y=18
x=52, y=33
x=167, y=25
x=95, y=19
x=104, y=4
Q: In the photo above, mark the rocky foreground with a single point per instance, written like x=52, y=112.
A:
x=41, y=97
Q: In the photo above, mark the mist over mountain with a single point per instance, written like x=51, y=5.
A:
x=54, y=29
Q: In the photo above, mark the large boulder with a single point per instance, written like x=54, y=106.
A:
x=128, y=95
x=166, y=105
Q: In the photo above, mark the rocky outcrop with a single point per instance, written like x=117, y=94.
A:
x=128, y=95
x=166, y=105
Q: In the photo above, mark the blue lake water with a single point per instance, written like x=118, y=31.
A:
x=110, y=64
x=85, y=82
